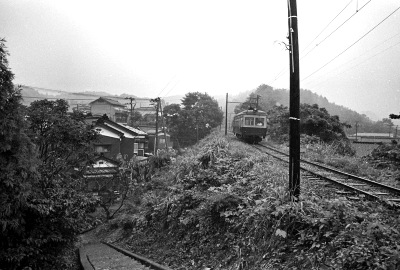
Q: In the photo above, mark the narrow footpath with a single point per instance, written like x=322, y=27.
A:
x=97, y=255
x=102, y=257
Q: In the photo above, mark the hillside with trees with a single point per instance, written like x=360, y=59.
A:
x=270, y=97
x=224, y=206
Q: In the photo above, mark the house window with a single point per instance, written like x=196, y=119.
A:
x=138, y=147
x=102, y=148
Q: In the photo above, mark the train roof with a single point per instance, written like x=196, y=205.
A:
x=252, y=112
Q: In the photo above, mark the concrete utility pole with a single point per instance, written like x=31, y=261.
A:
x=294, y=110
x=132, y=107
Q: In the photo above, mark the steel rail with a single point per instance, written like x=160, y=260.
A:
x=352, y=176
x=343, y=185
x=371, y=196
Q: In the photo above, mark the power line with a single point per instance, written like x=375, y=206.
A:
x=284, y=70
x=358, y=57
x=348, y=19
x=166, y=85
x=172, y=88
x=327, y=26
x=366, y=60
x=352, y=44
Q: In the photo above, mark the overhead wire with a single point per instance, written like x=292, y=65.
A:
x=348, y=19
x=177, y=82
x=166, y=85
x=354, y=43
x=337, y=15
x=284, y=70
x=358, y=57
x=362, y=62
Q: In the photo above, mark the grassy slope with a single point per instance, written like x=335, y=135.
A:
x=224, y=206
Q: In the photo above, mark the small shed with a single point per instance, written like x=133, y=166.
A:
x=101, y=175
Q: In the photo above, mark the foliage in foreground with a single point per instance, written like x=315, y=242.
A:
x=223, y=206
x=42, y=154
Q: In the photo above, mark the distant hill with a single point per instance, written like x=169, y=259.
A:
x=271, y=96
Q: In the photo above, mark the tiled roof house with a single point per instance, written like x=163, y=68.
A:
x=113, y=109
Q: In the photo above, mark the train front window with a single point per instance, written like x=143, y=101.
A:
x=260, y=122
x=249, y=121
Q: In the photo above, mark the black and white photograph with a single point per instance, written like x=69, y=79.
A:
x=199, y=135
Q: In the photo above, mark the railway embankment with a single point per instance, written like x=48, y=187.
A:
x=222, y=205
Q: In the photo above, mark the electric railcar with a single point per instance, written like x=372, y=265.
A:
x=250, y=125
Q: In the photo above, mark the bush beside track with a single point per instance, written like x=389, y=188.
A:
x=222, y=206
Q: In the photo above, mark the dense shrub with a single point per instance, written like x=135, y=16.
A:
x=387, y=152
x=234, y=213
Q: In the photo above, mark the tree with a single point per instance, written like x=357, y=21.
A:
x=18, y=174
x=264, y=95
x=42, y=204
x=136, y=117
x=58, y=202
x=314, y=121
x=193, y=120
x=394, y=116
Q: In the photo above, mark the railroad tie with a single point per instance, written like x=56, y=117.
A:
x=356, y=184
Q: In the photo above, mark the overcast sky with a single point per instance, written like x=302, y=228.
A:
x=163, y=48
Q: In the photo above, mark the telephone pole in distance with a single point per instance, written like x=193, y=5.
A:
x=132, y=107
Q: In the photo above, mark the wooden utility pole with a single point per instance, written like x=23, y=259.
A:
x=294, y=110
x=132, y=107
x=226, y=115
x=164, y=127
x=356, y=131
x=157, y=101
x=258, y=96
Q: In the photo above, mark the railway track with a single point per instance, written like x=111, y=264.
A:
x=353, y=187
x=105, y=256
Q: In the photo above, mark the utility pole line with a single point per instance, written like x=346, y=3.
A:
x=226, y=115
x=356, y=131
x=163, y=127
x=132, y=107
x=157, y=101
x=294, y=110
